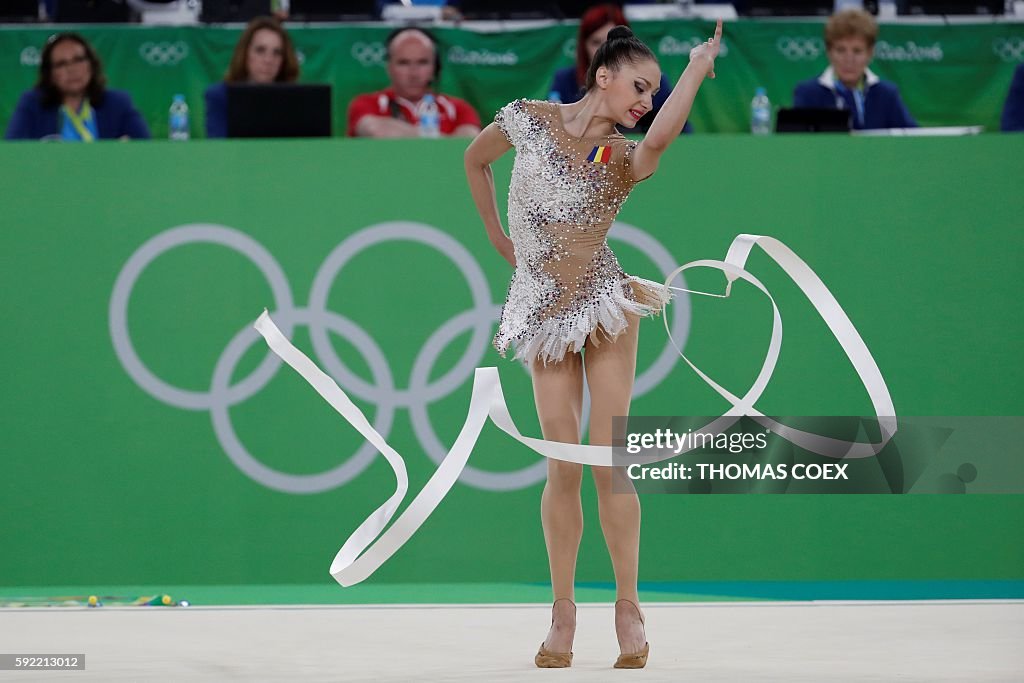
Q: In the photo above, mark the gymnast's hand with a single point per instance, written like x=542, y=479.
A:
x=504, y=246
x=706, y=52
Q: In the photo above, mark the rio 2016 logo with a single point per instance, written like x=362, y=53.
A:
x=670, y=46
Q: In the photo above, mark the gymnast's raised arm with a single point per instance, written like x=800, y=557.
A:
x=672, y=117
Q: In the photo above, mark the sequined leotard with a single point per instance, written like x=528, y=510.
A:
x=564, y=195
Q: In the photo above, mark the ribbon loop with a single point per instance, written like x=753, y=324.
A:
x=373, y=542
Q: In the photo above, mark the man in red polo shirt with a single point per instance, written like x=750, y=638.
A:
x=392, y=113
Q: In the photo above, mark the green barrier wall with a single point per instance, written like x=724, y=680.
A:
x=105, y=481
x=949, y=75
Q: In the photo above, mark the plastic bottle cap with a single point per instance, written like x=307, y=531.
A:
x=760, y=91
x=179, y=97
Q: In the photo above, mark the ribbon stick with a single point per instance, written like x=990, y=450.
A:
x=373, y=542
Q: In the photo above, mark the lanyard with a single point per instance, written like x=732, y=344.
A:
x=858, y=100
x=82, y=122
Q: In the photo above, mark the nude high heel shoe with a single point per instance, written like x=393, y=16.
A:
x=545, y=658
x=634, y=660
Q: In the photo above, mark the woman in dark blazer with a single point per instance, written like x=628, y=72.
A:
x=71, y=101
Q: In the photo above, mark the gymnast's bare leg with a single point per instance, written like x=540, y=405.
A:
x=558, y=393
x=610, y=369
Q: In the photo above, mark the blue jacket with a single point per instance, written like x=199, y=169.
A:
x=115, y=117
x=217, y=111
x=1013, y=110
x=882, y=108
x=570, y=91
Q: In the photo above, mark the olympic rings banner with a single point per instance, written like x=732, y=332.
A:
x=948, y=74
x=149, y=436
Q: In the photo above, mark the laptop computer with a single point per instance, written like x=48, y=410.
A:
x=279, y=110
x=812, y=120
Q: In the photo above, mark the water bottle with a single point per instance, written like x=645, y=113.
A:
x=555, y=97
x=430, y=120
x=178, y=118
x=760, y=113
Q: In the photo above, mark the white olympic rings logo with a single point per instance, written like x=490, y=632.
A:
x=1009, y=49
x=369, y=54
x=163, y=53
x=798, y=49
x=383, y=392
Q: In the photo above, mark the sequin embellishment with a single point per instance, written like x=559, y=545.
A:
x=568, y=285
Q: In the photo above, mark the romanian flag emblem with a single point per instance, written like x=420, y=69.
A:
x=601, y=154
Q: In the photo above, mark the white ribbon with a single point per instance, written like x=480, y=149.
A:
x=352, y=565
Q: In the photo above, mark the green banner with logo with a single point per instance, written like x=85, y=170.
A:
x=149, y=437
x=955, y=74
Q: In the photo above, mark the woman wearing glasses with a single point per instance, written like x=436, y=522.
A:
x=71, y=101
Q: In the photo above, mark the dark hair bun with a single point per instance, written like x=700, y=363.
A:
x=620, y=32
x=620, y=47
